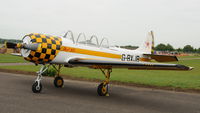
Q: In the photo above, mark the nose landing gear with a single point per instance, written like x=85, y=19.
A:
x=58, y=81
x=37, y=85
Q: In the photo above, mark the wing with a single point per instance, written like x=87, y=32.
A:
x=99, y=63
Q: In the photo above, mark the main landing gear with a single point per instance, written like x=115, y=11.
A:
x=58, y=81
x=102, y=89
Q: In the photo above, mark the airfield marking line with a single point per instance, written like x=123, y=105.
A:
x=13, y=64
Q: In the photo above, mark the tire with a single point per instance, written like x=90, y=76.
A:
x=58, y=82
x=35, y=87
x=102, y=91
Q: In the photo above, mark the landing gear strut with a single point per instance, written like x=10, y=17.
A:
x=102, y=89
x=58, y=81
x=37, y=85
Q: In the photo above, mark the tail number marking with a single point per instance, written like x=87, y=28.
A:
x=128, y=57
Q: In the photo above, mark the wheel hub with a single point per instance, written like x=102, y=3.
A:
x=59, y=82
x=104, y=89
x=38, y=88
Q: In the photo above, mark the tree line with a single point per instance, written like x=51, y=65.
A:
x=168, y=48
x=185, y=49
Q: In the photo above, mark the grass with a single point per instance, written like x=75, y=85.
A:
x=7, y=58
x=177, y=79
x=185, y=57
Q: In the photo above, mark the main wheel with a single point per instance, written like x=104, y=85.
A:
x=36, y=88
x=58, y=82
x=102, y=90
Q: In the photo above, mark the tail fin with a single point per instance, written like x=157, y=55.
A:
x=148, y=46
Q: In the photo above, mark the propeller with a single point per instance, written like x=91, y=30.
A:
x=30, y=46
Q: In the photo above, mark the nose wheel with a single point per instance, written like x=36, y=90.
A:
x=36, y=88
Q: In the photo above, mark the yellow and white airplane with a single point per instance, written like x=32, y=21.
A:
x=62, y=51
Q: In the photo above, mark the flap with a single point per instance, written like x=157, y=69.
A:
x=162, y=58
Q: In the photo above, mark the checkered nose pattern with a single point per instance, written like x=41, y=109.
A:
x=48, y=48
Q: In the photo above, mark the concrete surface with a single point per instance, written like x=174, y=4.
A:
x=81, y=97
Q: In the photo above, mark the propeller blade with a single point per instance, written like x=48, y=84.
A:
x=10, y=45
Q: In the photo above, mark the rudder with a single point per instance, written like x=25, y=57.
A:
x=148, y=46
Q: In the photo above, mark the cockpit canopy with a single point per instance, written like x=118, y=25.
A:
x=92, y=41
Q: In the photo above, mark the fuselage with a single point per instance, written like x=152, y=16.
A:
x=58, y=50
x=70, y=50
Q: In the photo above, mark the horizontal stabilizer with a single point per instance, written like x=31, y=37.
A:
x=162, y=58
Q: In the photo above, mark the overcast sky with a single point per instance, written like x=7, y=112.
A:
x=123, y=22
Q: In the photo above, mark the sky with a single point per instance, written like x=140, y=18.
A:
x=123, y=22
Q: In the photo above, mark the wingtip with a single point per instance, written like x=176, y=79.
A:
x=183, y=67
x=191, y=68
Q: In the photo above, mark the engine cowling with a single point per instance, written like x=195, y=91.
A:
x=40, y=49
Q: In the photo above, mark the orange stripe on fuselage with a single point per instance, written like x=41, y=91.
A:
x=89, y=52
